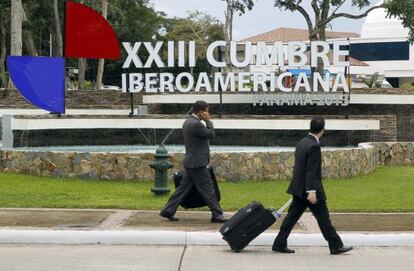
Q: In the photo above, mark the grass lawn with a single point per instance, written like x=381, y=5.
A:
x=389, y=189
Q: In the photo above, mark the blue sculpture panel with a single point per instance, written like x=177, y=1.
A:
x=40, y=80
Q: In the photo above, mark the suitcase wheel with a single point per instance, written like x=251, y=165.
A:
x=235, y=249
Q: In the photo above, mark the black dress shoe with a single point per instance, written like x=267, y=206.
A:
x=340, y=250
x=169, y=216
x=219, y=220
x=282, y=250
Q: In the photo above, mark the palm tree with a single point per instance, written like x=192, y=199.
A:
x=373, y=81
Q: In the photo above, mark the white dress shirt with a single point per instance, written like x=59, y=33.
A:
x=317, y=138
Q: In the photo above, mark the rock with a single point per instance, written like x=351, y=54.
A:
x=50, y=166
x=257, y=163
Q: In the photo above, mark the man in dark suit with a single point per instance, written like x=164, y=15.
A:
x=307, y=190
x=197, y=130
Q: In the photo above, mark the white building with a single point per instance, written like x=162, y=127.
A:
x=381, y=47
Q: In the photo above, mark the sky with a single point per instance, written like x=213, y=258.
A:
x=264, y=16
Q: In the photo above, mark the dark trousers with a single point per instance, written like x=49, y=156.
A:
x=321, y=213
x=200, y=178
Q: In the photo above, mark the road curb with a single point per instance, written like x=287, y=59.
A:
x=136, y=237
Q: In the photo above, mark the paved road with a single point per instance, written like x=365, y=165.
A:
x=160, y=258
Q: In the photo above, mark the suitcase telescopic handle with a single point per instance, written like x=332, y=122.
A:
x=279, y=212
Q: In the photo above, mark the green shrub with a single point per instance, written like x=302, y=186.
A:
x=407, y=86
x=373, y=81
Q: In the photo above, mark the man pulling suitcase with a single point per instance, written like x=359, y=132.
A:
x=308, y=192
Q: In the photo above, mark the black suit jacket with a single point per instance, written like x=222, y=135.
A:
x=307, y=172
x=196, y=141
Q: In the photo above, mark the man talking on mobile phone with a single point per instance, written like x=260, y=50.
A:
x=197, y=130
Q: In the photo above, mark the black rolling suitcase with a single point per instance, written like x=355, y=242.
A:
x=193, y=199
x=248, y=223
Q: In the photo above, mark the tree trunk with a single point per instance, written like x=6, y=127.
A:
x=81, y=73
x=29, y=43
x=322, y=37
x=27, y=35
x=3, y=54
x=81, y=70
x=228, y=33
x=101, y=62
x=16, y=28
x=322, y=31
x=57, y=29
x=16, y=31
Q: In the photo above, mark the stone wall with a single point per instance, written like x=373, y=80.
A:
x=228, y=166
x=396, y=154
x=104, y=166
x=278, y=165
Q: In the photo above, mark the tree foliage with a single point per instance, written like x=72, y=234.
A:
x=200, y=27
x=133, y=20
x=326, y=11
x=241, y=6
x=404, y=10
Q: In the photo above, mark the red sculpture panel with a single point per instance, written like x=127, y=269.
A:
x=88, y=34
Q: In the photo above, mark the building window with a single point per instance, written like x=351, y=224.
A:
x=380, y=51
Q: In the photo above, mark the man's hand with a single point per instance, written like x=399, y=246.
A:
x=312, y=197
x=205, y=116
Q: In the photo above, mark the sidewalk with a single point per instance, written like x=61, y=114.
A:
x=200, y=258
x=73, y=226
